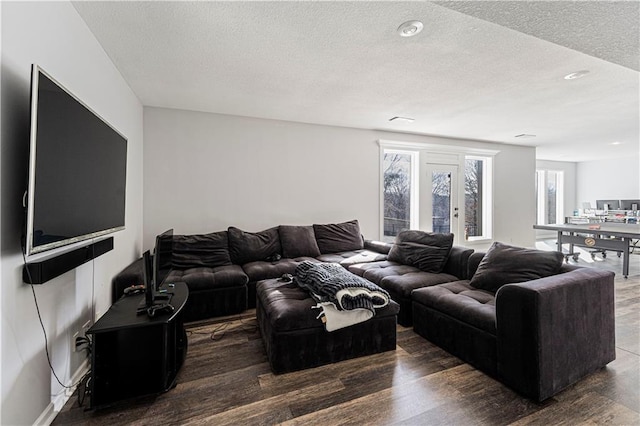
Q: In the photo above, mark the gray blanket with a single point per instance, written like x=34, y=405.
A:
x=330, y=282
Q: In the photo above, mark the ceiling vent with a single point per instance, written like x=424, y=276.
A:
x=576, y=75
x=402, y=120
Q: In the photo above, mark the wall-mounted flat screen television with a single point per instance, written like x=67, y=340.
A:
x=77, y=170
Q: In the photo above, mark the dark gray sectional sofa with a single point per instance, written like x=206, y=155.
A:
x=520, y=315
x=524, y=318
x=222, y=268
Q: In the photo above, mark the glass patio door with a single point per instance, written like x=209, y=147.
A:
x=440, y=199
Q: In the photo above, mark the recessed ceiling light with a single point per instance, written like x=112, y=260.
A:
x=402, y=119
x=524, y=136
x=410, y=28
x=575, y=75
x=616, y=143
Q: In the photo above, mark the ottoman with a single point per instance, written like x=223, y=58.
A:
x=296, y=339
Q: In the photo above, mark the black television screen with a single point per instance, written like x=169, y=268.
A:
x=147, y=273
x=162, y=258
x=629, y=204
x=77, y=170
x=608, y=204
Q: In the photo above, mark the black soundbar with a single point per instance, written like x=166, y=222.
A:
x=47, y=269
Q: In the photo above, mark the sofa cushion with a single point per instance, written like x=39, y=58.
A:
x=337, y=237
x=287, y=306
x=424, y=250
x=378, y=270
x=203, y=278
x=404, y=284
x=260, y=270
x=397, y=278
x=461, y=301
x=505, y=264
x=298, y=241
x=247, y=247
x=348, y=258
x=207, y=250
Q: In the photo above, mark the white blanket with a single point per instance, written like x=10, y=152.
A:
x=335, y=319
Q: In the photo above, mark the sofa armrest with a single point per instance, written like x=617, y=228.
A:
x=458, y=261
x=131, y=275
x=553, y=331
x=377, y=246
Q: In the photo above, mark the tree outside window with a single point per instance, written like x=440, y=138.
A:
x=396, y=192
x=473, y=181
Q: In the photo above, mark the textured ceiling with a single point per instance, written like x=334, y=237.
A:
x=479, y=70
x=604, y=29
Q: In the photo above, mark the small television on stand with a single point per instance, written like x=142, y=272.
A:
x=147, y=277
x=149, y=291
x=155, y=272
x=162, y=263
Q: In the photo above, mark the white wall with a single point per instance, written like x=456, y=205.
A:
x=514, y=197
x=608, y=180
x=54, y=36
x=204, y=172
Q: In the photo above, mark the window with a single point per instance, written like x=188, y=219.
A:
x=443, y=197
x=477, y=197
x=549, y=197
x=436, y=188
x=398, y=192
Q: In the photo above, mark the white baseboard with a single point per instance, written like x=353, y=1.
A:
x=58, y=401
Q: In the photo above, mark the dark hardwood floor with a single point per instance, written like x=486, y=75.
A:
x=226, y=380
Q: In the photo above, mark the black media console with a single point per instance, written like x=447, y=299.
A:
x=135, y=355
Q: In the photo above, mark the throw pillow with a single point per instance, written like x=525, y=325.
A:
x=194, y=251
x=505, y=264
x=298, y=241
x=245, y=247
x=337, y=237
x=426, y=251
